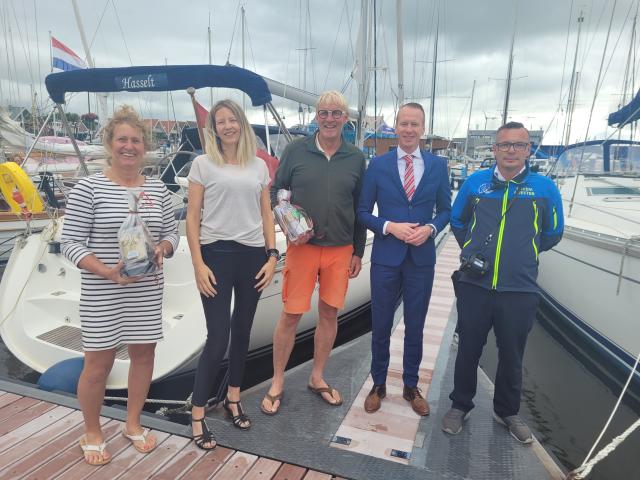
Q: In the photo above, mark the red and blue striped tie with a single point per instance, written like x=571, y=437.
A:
x=409, y=183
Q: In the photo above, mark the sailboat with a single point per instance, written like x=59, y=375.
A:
x=40, y=289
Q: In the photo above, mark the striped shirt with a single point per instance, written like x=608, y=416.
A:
x=113, y=314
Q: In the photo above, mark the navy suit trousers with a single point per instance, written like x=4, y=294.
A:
x=511, y=314
x=413, y=283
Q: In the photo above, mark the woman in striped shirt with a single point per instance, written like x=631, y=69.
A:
x=114, y=309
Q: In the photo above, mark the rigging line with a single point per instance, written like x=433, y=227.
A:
x=415, y=50
x=312, y=56
x=593, y=37
x=28, y=52
x=233, y=32
x=124, y=39
x=35, y=14
x=593, y=103
x=626, y=18
x=95, y=34
x=253, y=58
x=333, y=48
x=24, y=48
x=566, y=48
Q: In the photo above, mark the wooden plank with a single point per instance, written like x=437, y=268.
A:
x=180, y=463
x=125, y=460
x=43, y=454
x=79, y=469
x=8, y=398
x=313, y=475
x=17, y=406
x=22, y=445
x=16, y=436
x=25, y=416
x=154, y=461
x=237, y=466
x=290, y=472
x=209, y=464
x=263, y=469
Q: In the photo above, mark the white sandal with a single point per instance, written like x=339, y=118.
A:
x=139, y=438
x=89, y=448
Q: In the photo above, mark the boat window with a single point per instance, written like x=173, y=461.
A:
x=614, y=190
x=586, y=159
x=625, y=158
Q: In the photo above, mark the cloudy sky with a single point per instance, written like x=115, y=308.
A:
x=312, y=43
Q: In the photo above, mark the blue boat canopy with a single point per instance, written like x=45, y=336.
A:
x=627, y=114
x=160, y=78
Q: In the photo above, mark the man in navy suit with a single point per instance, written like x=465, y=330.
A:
x=408, y=185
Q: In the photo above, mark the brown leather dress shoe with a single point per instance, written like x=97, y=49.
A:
x=374, y=399
x=418, y=402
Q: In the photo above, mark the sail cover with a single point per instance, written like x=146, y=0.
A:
x=627, y=114
x=157, y=78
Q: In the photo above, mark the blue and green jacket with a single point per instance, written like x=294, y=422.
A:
x=511, y=243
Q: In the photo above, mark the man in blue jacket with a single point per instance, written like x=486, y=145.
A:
x=407, y=184
x=502, y=219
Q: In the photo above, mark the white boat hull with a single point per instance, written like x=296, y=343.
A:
x=593, y=274
x=604, y=304
x=40, y=292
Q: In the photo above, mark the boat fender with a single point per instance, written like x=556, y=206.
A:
x=63, y=376
x=18, y=190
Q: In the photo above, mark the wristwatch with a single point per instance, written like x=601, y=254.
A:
x=273, y=252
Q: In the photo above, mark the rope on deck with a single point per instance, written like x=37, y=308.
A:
x=587, y=465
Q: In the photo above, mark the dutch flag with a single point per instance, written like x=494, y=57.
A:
x=63, y=58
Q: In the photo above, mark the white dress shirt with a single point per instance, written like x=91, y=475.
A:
x=418, y=171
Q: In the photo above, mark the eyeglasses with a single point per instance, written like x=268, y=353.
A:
x=335, y=114
x=506, y=146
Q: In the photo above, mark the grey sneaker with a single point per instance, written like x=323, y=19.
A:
x=452, y=421
x=517, y=428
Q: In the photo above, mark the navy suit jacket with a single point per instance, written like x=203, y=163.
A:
x=382, y=185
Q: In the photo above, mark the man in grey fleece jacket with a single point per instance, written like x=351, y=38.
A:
x=324, y=174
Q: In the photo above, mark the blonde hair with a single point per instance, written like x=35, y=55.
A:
x=246, y=144
x=332, y=96
x=124, y=115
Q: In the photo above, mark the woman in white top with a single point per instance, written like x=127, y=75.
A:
x=231, y=236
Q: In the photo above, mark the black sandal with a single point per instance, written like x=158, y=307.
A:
x=239, y=419
x=204, y=437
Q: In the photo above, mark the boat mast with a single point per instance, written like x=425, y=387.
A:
x=507, y=93
x=102, y=97
x=362, y=70
x=573, y=85
x=244, y=97
x=466, y=141
x=210, y=59
x=400, y=53
x=433, y=78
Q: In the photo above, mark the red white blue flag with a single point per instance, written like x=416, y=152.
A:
x=63, y=58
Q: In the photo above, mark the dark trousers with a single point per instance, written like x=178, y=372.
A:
x=511, y=314
x=235, y=267
x=415, y=283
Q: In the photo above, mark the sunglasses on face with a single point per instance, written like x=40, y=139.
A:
x=335, y=114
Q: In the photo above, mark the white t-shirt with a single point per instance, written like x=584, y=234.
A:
x=231, y=209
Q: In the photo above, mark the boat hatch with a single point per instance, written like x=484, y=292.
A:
x=614, y=190
x=70, y=337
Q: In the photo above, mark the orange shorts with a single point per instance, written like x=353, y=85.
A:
x=307, y=264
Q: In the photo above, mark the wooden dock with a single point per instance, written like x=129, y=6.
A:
x=39, y=440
